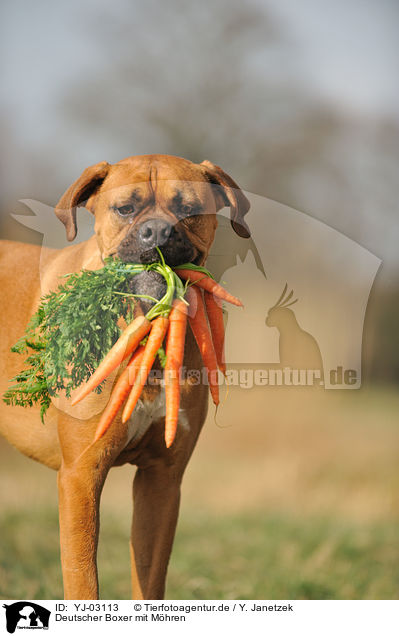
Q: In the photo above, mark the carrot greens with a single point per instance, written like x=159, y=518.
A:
x=74, y=339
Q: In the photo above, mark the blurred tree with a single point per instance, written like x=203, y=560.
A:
x=223, y=82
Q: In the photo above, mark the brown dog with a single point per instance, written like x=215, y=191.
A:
x=138, y=203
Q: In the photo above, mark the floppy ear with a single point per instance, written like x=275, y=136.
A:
x=77, y=193
x=230, y=194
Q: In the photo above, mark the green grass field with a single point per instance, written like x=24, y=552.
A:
x=299, y=501
x=238, y=556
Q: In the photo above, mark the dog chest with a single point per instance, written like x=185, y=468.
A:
x=148, y=411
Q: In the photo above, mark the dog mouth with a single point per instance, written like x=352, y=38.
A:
x=171, y=259
x=176, y=250
x=148, y=283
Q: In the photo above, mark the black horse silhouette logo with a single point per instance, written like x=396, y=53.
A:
x=27, y=615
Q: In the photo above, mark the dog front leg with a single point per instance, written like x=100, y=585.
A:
x=79, y=498
x=156, y=498
x=84, y=468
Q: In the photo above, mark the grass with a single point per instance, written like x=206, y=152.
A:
x=287, y=498
x=235, y=556
x=280, y=557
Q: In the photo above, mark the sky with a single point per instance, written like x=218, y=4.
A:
x=350, y=50
x=349, y=54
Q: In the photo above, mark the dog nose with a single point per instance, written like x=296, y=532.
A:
x=154, y=232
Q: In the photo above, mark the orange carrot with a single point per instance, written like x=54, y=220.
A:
x=174, y=361
x=155, y=339
x=126, y=344
x=119, y=393
x=200, y=329
x=207, y=283
x=214, y=311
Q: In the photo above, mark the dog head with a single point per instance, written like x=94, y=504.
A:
x=151, y=201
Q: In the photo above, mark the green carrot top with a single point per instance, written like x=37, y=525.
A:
x=76, y=325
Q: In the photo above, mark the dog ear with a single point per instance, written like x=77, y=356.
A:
x=88, y=182
x=230, y=194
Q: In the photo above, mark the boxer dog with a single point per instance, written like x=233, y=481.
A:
x=138, y=204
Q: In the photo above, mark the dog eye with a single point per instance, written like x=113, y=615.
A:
x=125, y=210
x=186, y=208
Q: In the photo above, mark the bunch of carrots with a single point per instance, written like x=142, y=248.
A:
x=200, y=303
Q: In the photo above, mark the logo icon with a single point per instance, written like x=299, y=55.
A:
x=298, y=349
x=26, y=615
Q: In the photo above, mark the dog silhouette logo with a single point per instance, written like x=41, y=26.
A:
x=26, y=615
